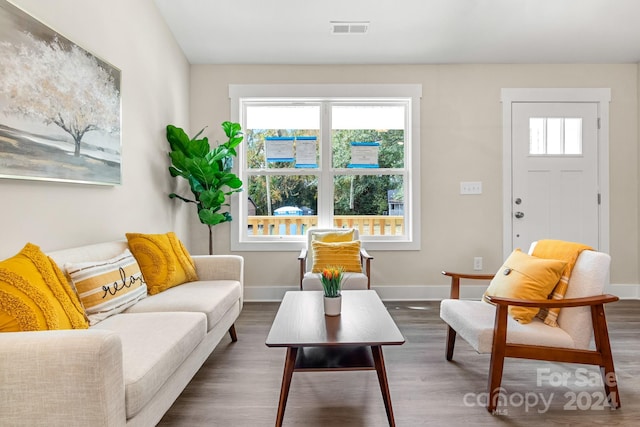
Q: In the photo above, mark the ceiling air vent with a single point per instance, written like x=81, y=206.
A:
x=344, y=28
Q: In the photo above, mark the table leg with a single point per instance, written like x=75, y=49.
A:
x=378, y=359
x=289, y=365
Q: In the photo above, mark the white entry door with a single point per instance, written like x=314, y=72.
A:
x=554, y=171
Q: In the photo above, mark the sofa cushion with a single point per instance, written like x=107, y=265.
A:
x=154, y=345
x=109, y=286
x=213, y=298
x=163, y=259
x=35, y=295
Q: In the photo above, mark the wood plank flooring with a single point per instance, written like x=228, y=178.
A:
x=239, y=385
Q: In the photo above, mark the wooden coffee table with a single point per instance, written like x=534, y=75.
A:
x=351, y=341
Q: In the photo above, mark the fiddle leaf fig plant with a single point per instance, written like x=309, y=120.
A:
x=208, y=171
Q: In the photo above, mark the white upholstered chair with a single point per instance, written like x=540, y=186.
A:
x=352, y=280
x=489, y=329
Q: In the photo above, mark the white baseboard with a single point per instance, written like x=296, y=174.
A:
x=417, y=292
x=267, y=293
x=627, y=291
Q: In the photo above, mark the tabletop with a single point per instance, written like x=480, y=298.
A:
x=364, y=320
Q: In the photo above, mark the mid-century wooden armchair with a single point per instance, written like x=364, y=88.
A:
x=352, y=280
x=489, y=329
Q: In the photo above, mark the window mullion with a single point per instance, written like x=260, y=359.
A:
x=325, y=185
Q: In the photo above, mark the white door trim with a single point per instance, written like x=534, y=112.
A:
x=602, y=96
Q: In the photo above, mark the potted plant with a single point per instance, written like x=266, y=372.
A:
x=208, y=171
x=331, y=279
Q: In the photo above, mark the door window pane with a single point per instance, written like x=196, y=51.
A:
x=573, y=136
x=536, y=136
x=555, y=136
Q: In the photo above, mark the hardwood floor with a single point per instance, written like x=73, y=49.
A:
x=240, y=383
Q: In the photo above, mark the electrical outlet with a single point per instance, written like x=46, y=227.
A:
x=471, y=187
x=477, y=263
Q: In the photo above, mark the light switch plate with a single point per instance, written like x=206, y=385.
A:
x=474, y=187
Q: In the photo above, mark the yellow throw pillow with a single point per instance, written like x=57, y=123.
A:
x=334, y=236
x=109, y=286
x=35, y=295
x=524, y=276
x=163, y=259
x=338, y=254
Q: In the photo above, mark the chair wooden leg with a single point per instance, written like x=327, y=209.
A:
x=611, y=386
x=497, y=357
x=495, y=379
x=603, y=346
x=451, y=342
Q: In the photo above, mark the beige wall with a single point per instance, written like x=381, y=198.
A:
x=460, y=130
x=461, y=134
x=132, y=36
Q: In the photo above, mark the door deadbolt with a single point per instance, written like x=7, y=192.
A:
x=518, y=201
x=519, y=215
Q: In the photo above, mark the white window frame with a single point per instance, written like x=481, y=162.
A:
x=335, y=92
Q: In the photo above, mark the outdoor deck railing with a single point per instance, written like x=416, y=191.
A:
x=372, y=225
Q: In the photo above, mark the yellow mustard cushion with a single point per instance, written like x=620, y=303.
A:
x=523, y=276
x=163, y=259
x=35, y=295
x=107, y=287
x=337, y=254
x=334, y=236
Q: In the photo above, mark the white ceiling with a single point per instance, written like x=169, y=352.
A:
x=406, y=31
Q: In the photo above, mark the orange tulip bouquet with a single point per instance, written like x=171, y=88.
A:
x=331, y=278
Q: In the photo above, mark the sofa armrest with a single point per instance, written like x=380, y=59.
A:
x=70, y=377
x=219, y=267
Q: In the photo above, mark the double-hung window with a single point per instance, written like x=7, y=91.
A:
x=327, y=156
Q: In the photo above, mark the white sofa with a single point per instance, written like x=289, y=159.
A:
x=129, y=368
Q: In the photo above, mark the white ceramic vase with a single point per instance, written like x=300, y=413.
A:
x=332, y=306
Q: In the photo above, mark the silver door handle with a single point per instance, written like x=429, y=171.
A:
x=519, y=215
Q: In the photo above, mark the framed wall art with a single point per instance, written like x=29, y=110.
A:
x=59, y=106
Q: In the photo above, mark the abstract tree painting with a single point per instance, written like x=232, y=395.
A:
x=59, y=106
